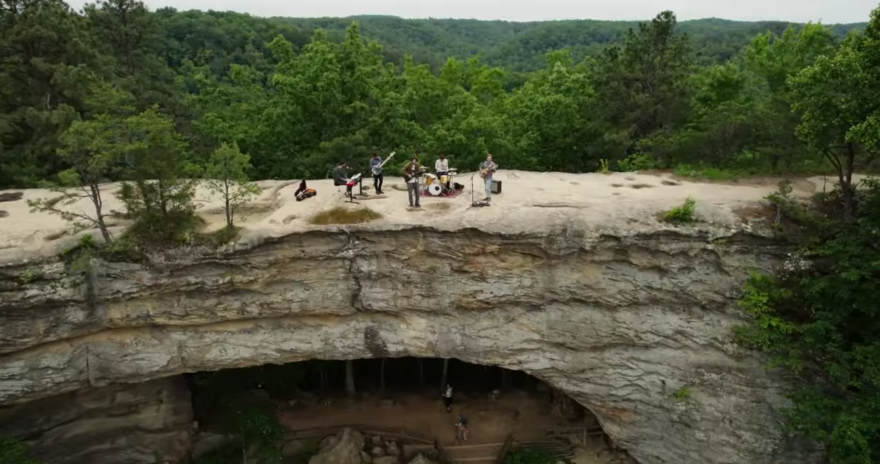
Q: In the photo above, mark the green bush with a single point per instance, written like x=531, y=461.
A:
x=818, y=318
x=681, y=214
x=637, y=162
x=14, y=451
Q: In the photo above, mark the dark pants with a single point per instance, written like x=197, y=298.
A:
x=412, y=191
x=447, y=402
x=378, y=179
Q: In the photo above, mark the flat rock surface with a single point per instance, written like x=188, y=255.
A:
x=530, y=202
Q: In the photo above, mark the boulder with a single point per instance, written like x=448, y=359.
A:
x=365, y=457
x=377, y=451
x=343, y=448
x=392, y=449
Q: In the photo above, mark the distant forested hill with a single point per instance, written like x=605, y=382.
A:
x=522, y=46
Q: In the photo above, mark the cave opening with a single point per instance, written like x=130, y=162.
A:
x=402, y=400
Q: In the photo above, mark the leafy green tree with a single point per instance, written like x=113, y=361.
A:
x=92, y=148
x=817, y=318
x=226, y=175
x=47, y=64
x=159, y=184
x=643, y=85
x=834, y=100
x=14, y=451
x=773, y=59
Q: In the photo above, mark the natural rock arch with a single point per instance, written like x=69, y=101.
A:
x=620, y=324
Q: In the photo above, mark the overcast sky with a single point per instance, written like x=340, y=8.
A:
x=826, y=11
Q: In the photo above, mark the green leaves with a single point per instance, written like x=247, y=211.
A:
x=226, y=174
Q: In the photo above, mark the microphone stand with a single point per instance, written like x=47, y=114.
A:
x=472, y=189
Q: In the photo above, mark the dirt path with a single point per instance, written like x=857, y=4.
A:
x=515, y=412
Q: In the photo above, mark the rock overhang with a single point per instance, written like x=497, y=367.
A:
x=618, y=313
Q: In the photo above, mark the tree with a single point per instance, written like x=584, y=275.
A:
x=643, y=85
x=226, y=174
x=818, y=319
x=773, y=59
x=157, y=193
x=92, y=149
x=349, y=378
x=834, y=99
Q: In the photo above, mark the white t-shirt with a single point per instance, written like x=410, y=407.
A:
x=448, y=392
x=441, y=165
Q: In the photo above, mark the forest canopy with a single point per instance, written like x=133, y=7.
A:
x=297, y=95
x=159, y=99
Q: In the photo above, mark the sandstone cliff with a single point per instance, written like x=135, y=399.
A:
x=119, y=424
x=620, y=313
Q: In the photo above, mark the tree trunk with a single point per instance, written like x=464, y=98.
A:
x=349, y=378
x=99, y=213
x=421, y=373
x=382, y=376
x=443, y=377
x=228, y=206
x=322, y=375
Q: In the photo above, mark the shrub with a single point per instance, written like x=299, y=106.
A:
x=636, y=162
x=681, y=214
x=682, y=394
x=14, y=451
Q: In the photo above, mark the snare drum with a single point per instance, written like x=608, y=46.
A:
x=444, y=180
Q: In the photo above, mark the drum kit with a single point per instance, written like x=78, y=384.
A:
x=440, y=185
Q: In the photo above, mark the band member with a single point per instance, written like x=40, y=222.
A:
x=442, y=168
x=487, y=169
x=340, y=177
x=411, y=176
x=375, y=167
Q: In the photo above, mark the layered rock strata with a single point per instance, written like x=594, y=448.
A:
x=620, y=322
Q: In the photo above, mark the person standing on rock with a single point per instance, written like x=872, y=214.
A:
x=447, y=398
x=411, y=176
x=487, y=170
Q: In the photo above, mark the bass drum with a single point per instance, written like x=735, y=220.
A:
x=435, y=189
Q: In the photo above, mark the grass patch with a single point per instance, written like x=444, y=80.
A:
x=681, y=214
x=682, y=394
x=341, y=215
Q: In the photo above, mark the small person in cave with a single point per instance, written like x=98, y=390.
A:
x=447, y=398
x=461, y=426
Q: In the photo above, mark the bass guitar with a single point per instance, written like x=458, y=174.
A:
x=378, y=169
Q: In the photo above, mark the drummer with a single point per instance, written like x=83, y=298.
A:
x=442, y=168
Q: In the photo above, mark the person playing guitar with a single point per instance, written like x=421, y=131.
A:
x=487, y=169
x=411, y=173
x=376, y=165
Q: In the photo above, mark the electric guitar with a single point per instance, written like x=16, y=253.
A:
x=378, y=169
x=485, y=171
